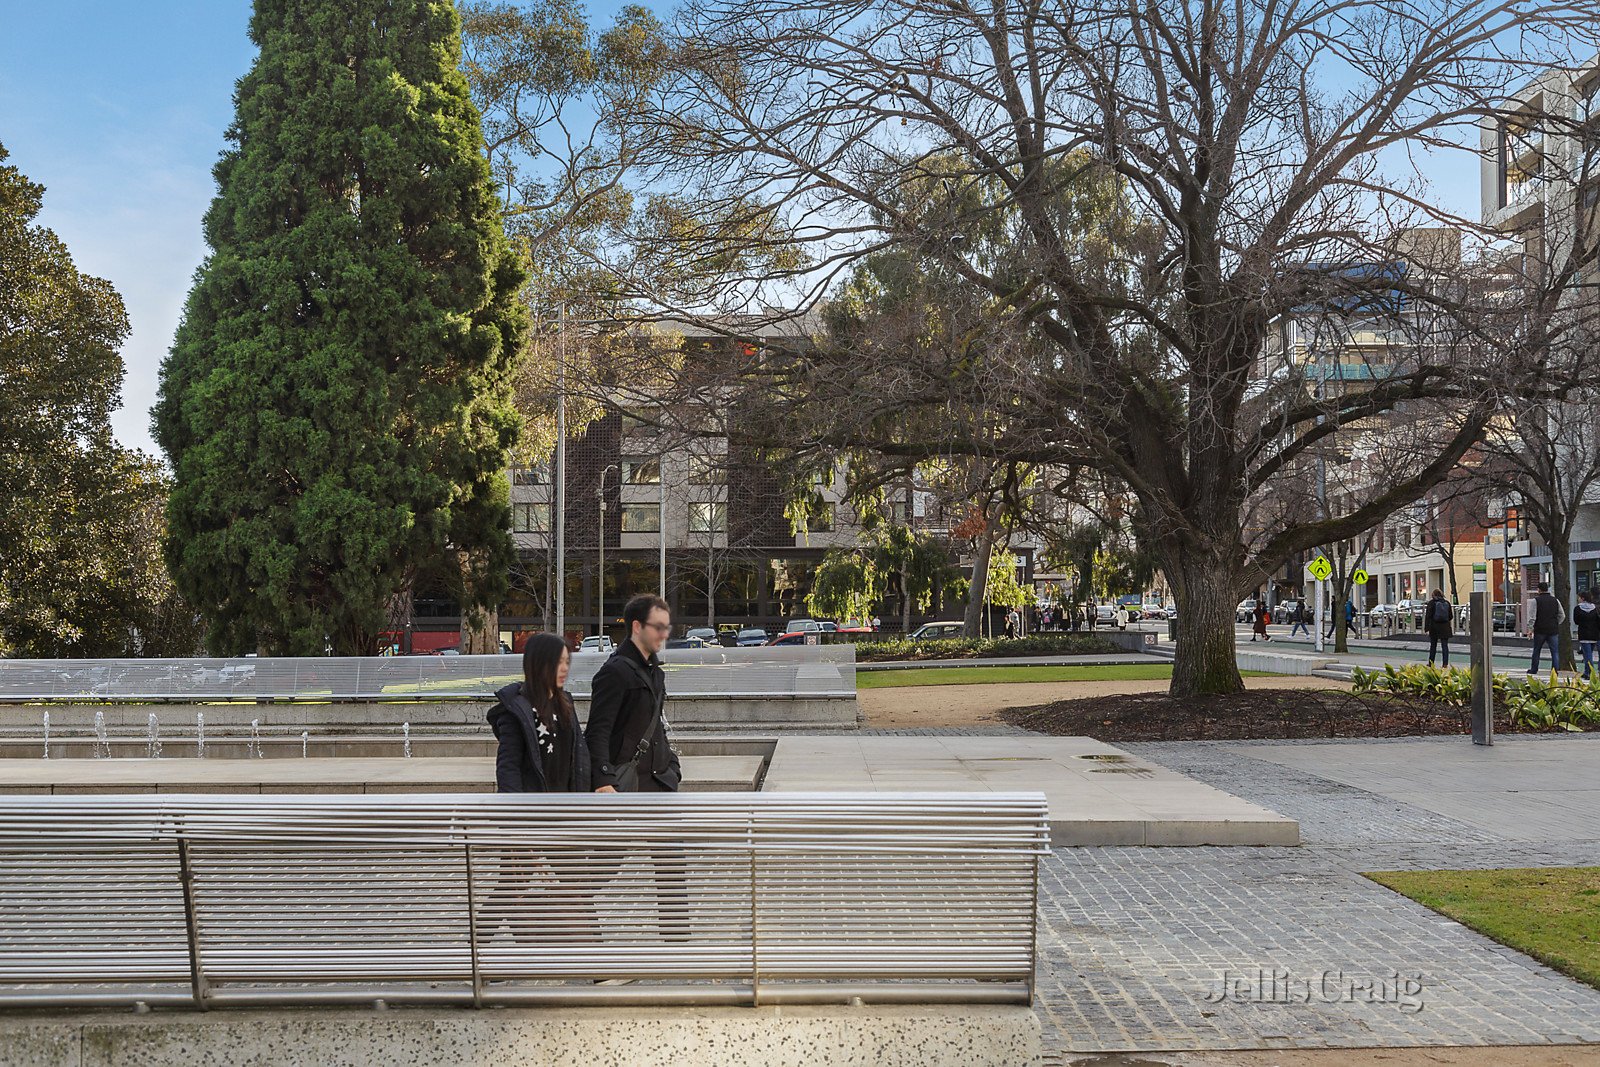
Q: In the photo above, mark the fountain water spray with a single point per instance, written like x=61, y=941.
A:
x=200, y=734
x=102, y=746
x=252, y=749
x=46, y=735
x=305, y=736
x=405, y=730
x=155, y=737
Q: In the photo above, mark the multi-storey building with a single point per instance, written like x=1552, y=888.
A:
x=1540, y=188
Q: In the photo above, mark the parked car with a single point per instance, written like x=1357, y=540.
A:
x=703, y=633
x=691, y=642
x=797, y=637
x=1105, y=615
x=800, y=626
x=728, y=633
x=597, y=643
x=937, y=631
x=857, y=625
x=1152, y=611
x=1285, y=610
x=750, y=638
x=1246, y=611
x=1379, y=612
x=829, y=627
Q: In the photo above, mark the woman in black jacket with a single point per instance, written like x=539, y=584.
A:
x=541, y=745
x=543, y=897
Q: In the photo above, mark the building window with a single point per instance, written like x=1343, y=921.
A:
x=708, y=517
x=900, y=513
x=707, y=470
x=538, y=474
x=641, y=518
x=636, y=426
x=821, y=519
x=530, y=518
x=641, y=471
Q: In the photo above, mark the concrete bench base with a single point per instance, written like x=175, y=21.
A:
x=507, y=1037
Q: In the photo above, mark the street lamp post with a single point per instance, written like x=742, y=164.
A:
x=600, y=578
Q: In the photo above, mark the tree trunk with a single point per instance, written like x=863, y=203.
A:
x=1341, y=638
x=1205, y=662
x=480, y=627
x=905, y=601
x=1561, y=586
x=980, y=583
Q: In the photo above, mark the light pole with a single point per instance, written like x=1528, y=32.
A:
x=561, y=474
x=661, y=516
x=600, y=578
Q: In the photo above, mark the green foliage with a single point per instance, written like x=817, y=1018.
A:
x=873, y=650
x=1532, y=704
x=80, y=518
x=846, y=585
x=337, y=402
x=1555, y=704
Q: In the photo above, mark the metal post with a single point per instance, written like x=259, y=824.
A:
x=661, y=518
x=600, y=578
x=472, y=932
x=1481, y=625
x=561, y=474
x=191, y=924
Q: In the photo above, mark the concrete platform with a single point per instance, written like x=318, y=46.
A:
x=519, y=1037
x=1098, y=794
x=1538, y=788
x=460, y=774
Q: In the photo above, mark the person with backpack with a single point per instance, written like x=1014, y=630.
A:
x=1438, y=618
x=1586, y=617
x=1544, y=626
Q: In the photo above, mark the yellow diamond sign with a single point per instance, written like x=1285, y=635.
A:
x=1320, y=568
x=1360, y=577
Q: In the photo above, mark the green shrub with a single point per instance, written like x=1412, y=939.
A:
x=1538, y=704
x=983, y=648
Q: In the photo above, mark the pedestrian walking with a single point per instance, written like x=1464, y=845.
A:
x=630, y=750
x=1301, y=617
x=536, y=894
x=1586, y=616
x=1544, y=626
x=1439, y=618
x=1263, y=615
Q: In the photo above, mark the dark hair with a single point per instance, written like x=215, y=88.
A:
x=1438, y=594
x=638, y=609
x=541, y=657
x=1544, y=587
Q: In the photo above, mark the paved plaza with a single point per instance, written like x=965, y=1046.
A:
x=1134, y=941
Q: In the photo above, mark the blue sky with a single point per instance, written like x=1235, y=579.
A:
x=118, y=108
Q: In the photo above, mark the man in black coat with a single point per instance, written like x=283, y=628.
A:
x=628, y=691
x=1545, y=625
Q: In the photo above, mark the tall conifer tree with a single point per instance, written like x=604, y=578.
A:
x=336, y=404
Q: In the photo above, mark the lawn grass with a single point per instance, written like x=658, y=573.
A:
x=1550, y=913
x=1112, y=672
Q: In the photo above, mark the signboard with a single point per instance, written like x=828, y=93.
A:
x=1320, y=568
x=1361, y=577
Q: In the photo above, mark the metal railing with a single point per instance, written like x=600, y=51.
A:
x=798, y=671
x=711, y=899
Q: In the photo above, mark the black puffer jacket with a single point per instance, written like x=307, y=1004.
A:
x=1587, y=619
x=624, y=696
x=519, y=766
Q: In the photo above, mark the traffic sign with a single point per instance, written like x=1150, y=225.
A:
x=1320, y=568
x=1360, y=577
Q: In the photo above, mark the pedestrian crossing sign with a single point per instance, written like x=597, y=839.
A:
x=1360, y=577
x=1319, y=568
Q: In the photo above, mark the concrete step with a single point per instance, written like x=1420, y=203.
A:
x=463, y=774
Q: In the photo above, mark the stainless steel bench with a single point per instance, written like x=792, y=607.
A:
x=710, y=899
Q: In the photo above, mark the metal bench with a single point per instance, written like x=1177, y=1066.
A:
x=705, y=899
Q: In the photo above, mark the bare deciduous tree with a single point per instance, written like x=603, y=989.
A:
x=1228, y=185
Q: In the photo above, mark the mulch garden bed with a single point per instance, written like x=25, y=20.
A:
x=1255, y=714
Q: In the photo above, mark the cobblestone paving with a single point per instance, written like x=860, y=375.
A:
x=1134, y=943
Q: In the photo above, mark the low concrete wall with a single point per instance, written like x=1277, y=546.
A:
x=1278, y=663
x=507, y=1037
x=130, y=721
